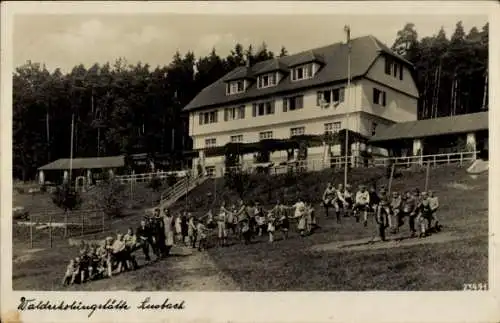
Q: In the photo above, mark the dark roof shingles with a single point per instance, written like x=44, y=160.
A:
x=364, y=50
x=86, y=163
x=434, y=127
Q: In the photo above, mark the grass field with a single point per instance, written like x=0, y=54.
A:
x=335, y=258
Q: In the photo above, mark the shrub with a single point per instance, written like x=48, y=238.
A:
x=112, y=198
x=171, y=179
x=66, y=198
x=155, y=183
x=239, y=182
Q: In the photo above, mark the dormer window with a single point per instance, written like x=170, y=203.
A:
x=235, y=87
x=266, y=80
x=302, y=72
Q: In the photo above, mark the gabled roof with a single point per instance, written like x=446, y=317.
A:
x=434, y=127
x=364, y=51
x=239, y=73
x=86, y=163
x=272, y=66
x=306, y=57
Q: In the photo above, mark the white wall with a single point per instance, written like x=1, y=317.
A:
x=281, y=131
x=308, y=112
x=399, y=107
x=407, y=85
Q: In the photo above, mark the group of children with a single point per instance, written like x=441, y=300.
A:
x=248, y=221
x=389, y=211
x=111, y=256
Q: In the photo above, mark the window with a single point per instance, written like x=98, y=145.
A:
x=237, y=138
x=235, y=87
x=234, y=113
x=210, y=171
x=393, y=68
x=265, y=135
x=327, y=97
x=302, y=72
x=208, y=117
x=374, y=128
x=333, y=127
x=293, y=103
x=266, y=80
x=263, y=108
x=297, y=131
x=379, y=97
x=210, y=142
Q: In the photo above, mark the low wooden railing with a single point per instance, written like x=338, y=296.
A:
x=316, y=164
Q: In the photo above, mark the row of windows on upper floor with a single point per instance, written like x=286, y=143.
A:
x=299, y=73
x=323, y=99
x=329, y=127
x=302, y=72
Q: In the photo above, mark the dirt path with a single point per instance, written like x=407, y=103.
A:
x=200, y=273
x=392, y=242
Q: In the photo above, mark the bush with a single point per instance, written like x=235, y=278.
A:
x=112, y=198
x=66, y=198
x=171, y=179
x=155, y=184
x=239, y=182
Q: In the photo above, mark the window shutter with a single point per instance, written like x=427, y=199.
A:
x=341, y=94
x=201, y=118
x=226, y=114
x=227, y=88
x=401, y=73
x=272, y=106
x=254, y=110
x=242, y=112
x=299, y=102
x=285, y=105
x=273, y=79
x=383, y=98
x=309, y=70
x=216, y=116
x=375, y=97
x=318, y=98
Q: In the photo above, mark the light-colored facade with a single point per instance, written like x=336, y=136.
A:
x=372, y=103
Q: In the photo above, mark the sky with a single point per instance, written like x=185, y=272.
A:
x=65, y=40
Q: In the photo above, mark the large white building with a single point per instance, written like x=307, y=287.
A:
x=305, y=93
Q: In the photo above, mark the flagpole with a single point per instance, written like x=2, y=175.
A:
x=347, y=29
x=71, y=149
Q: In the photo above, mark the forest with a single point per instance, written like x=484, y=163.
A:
x=122, y=108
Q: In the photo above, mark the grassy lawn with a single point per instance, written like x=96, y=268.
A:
x=296, y=264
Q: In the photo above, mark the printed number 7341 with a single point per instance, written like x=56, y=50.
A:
x=476, y=286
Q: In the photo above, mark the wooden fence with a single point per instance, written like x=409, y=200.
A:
x=51, y=228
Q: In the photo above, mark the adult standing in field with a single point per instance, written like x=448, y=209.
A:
x=434, y=204
x=300, y=214
x=159, y=233
x=168, y=231
x=221, y=225
x=374, y=202
x=191, y=231
x=145, y=237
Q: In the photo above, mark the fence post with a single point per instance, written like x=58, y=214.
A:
x=434, y=160
x=448, y=158
x=31, y=231
x=83, y=222
x=461, y=158
x=65, y=223
x=50, y=229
